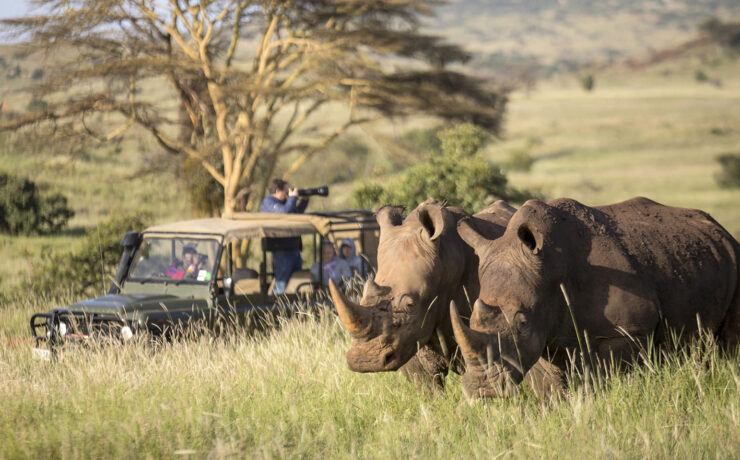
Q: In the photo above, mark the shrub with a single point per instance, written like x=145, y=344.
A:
x=519, y=160
x=37, y=74
x=205, y=193
x=729, y=176
x=89, y=268
x=24, y=210
x=37, y=105
x=460, y=176
x=700, y=76
x=587, y=82
x=424, y=140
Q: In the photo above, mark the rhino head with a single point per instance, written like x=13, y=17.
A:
x=420, y=264
x=519, y=303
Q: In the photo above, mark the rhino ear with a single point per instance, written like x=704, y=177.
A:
x=433, y=219
x=530, y=237
x=390, y=216
x=471, y=236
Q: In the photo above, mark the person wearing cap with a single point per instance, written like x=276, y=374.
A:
x=179, y=268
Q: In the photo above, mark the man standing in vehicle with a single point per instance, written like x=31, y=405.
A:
x=286, y=255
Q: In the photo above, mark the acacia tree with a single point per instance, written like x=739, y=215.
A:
x=248, y=78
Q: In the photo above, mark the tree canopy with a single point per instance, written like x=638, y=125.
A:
x=245, y=80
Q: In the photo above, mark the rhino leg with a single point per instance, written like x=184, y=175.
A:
x=427, y=368
x=546, y=379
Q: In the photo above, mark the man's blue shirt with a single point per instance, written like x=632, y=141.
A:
x=291, y=205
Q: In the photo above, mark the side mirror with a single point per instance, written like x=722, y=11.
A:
x=130, y=239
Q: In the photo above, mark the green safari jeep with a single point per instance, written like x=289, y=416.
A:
x=197, y=272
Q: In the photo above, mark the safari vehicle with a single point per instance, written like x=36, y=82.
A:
x=196, y=272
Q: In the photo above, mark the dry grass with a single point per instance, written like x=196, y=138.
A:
x=288, y=393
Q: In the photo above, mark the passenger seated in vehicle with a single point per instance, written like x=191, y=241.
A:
x=348, y=252
x=178, y=268
x=197, y=268
x=335, y=267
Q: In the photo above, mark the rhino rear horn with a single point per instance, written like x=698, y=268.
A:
x=471, y=236
x=389, y=216
x=373, y=289
x=472, y=343
x=355, y=318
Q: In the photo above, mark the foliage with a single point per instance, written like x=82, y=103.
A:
x=25, y=210
x=729, y=176
x=587, y=82
x=88, y=268
x=37, y=74
x=205, y=194
x=726, y=34
x=459, y=176
x=423, y=140
x=249, y=79
x=700, y=76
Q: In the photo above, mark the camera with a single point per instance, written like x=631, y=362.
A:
x=318, y=191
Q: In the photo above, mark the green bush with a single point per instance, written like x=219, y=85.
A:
x=700, y=76
x=88, y=268
x=460, y=176
x=587, y=82
x=729, y=176
x=24, y=210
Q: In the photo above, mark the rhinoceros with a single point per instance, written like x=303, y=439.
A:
x=565, y=276
x=402, y=321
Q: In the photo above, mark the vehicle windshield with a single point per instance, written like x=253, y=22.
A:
x=167, y=259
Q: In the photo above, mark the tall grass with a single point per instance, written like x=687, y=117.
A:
x=288, y=393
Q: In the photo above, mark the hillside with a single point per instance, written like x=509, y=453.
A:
x=563, y=34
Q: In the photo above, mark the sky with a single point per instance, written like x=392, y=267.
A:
x=13, y=8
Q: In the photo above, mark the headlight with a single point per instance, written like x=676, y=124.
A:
x=126, y=333
x=62, y=328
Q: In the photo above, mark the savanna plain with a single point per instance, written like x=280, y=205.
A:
x=288, y=393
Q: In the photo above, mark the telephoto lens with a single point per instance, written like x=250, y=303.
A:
x=317, y=191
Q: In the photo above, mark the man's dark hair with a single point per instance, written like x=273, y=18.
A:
x=275, y=185
x=188, y=250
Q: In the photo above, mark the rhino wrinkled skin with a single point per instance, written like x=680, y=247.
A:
x=623, y=274
x=402, y=321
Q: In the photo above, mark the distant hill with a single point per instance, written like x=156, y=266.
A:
x=563, y=34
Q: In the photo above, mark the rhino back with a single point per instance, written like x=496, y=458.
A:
x=689, y=259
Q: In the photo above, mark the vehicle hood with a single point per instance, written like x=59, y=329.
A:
x=120, y=303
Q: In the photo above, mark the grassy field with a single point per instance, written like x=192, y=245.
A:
x=290, y=394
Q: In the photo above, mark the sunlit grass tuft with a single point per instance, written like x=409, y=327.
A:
x=287, y=392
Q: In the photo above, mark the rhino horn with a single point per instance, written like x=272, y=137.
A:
x=471, y=236
x=471, y=343
x=389, y=216
x=355, y=317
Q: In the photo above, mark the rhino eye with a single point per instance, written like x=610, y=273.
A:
x=405, y=303
x=520, y=323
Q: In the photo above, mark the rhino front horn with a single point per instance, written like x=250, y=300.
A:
x=354, y=317
x=471, y=343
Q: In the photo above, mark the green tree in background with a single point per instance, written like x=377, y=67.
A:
x=460, y=176
x=26, y=210
x=88, y=268
x=247, y=82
